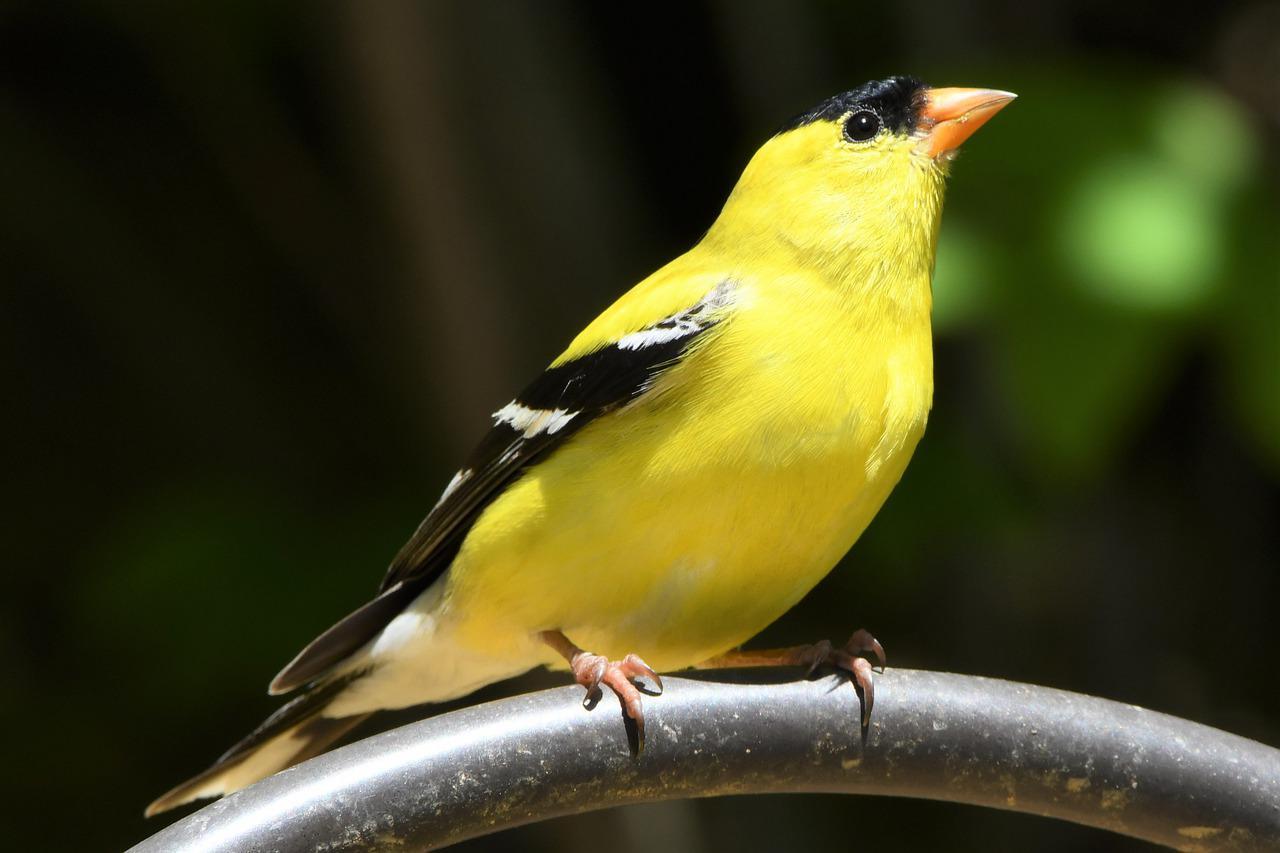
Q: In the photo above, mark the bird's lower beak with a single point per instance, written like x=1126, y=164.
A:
x=951, y=116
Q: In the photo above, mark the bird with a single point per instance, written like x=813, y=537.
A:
x=695, y=461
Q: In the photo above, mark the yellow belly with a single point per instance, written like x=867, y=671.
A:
x=681, y=526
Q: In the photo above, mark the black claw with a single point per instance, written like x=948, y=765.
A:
x=879, y=652
x=862, y=641
x=645, y=671
x=864, y=681
x=868, y=700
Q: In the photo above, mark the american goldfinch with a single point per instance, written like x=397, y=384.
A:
x=695, y=461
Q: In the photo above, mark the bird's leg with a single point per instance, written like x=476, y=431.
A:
x=850, y=658
x=593, y=670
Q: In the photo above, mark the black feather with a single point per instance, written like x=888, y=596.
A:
x=896, y=100
x=288, y=715
x=302, y=717
x=335, y=644
x=589, y=386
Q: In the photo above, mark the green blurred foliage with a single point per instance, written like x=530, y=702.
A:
x=1123, y=251
x=268, y=267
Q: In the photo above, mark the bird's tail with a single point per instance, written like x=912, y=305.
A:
x=297, y=731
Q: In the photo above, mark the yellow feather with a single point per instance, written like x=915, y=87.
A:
x=684, y=523
x=679, y=524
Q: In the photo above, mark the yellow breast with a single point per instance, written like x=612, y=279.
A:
x=682, y=525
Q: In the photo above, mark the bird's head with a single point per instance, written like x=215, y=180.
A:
x=861, y=174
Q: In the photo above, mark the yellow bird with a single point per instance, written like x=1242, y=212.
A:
x=696, y=461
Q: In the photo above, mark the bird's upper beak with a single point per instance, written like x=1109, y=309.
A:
x=950, y=116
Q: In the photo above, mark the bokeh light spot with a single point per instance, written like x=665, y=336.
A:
x=1202, y=133
x=1138, y=234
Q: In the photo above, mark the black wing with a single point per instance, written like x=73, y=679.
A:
x=545, y=415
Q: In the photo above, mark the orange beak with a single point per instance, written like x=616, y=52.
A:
x=951, y=116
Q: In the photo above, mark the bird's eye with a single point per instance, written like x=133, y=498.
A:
x=861, y=126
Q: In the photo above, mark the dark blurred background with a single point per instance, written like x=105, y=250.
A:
x=267, y=267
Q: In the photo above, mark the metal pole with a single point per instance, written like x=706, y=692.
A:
x=933, y=735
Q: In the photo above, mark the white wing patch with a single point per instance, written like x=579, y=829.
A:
x=530, y=422
x=667, y=330
x=689, y=322
x=458, y=479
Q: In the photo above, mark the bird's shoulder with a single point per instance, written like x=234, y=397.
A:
x=689, y=283
x=616, y=361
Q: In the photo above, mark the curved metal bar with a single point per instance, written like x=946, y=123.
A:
x=933, y=735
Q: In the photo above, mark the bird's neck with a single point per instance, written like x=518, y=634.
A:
x=883, y=262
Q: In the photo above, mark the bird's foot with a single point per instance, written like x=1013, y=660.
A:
x=591, y=671
x=851, y=658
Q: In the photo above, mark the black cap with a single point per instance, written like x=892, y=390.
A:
x=896, y=100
